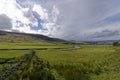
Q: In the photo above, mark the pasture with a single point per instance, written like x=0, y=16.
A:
x=90, y=62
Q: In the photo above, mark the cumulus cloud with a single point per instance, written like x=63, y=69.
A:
x=78, y=16
x=80, y=19
x=41, y=11
x=5, y=22
x=67, y=19
x=28, y=14
x=25, y=17
x=15, y=12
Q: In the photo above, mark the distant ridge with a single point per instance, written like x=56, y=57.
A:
x=7, y=34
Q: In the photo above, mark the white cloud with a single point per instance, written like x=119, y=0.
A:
x=16, y=12
x=41, y=11
x=28, y=14
x=106, y=32
x=54, y=14
x=68, y=19
x=77, y=16
x=5, y=22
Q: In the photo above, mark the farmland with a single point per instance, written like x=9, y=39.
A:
x=90, y=62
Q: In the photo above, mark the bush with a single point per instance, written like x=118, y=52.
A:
x=116, y=44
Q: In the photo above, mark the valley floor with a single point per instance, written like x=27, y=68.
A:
x=90, y=62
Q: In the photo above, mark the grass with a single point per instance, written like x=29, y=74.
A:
x=20, y=41
x=8, y=54
x=4, y=67
x=34, y=68
x=84, y=54
x=12, y=53
x=91, y=62
x=34, y=45
x=18, y=38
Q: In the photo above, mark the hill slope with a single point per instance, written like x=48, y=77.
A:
x=25, y=37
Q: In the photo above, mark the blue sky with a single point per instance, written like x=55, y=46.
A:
x=39, y=26
x=66, y=19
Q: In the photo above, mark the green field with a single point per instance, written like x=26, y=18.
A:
x=90, y=62
x=34, y=45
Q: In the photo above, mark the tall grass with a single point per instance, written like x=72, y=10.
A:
x=97, y=62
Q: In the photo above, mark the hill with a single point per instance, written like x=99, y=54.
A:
x=25, y=37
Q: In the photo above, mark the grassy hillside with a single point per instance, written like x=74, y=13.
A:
x=25, y=37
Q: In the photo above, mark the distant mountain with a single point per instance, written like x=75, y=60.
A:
x=26, y=37
x=103, y=41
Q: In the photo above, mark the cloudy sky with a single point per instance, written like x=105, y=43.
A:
x=66, y=19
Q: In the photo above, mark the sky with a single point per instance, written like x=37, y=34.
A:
x=80, y=20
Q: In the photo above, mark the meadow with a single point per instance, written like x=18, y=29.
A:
x=90, y=62
x=28, y=45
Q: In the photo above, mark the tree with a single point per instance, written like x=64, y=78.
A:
x=116, y=44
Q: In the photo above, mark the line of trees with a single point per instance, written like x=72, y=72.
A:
x=116, y=43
